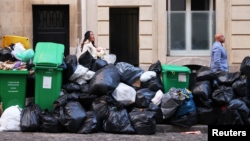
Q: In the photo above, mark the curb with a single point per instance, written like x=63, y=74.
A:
x=162, y=128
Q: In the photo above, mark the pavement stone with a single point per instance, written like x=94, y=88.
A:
x=162, y=128
x=172, y=136
x=163, y=133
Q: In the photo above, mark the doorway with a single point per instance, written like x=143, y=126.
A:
x=124, y=34
x=51, y=24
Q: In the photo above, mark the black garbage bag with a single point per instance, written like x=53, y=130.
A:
x=128, y=73
x=229, y=117
x=143, y=121
x=85, y=88
x=171, y=101
x=208, y=103
x=239, y=87
x=71, y=87
x=71, y=65
x=105, y=80
x=100, y=106
x=202, y=89
x=186, y=121
x=205, y=73
x=240, y=106
x=61, y=101
x=64, y=99
x=30, y=85
x=91, y=124
x=223, y=95
x=5, y=54
x=158, y=112
x=72, y=115
x=98, y=64
x=156, y=67
x=144, y=97
x=208, y=115
x=154, y=84
x=73, y=96
x=86, y=60
x=71, y=62
x=227, y=78
x=86, y=100
x=30, y=118
x=49, y=122
x=118, y=121
x=245, y=66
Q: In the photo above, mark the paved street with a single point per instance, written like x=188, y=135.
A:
x=171, y=136
x=164, y=133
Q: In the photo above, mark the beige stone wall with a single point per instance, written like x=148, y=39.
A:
x=240, y=32
x=16, y=18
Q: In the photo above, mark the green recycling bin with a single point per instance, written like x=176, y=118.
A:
x=48, y=75
x=13, y=87
x=175, y=76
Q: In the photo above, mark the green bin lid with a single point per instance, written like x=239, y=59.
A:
x=48, y=54
x=175, y=68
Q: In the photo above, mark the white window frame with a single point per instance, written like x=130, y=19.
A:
x=188, y=51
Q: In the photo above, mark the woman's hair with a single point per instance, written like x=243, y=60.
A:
x=86, y=37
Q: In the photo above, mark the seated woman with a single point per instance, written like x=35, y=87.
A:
x=87, y=44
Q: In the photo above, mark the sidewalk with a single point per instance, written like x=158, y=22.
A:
x=163, y=128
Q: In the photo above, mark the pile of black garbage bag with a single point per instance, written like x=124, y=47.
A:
x=221, y=97
x=91, y=102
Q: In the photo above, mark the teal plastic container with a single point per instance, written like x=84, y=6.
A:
x=13, y=87
x=48, y=76
x=48, y=54
x=175, y=76
x=48, y=83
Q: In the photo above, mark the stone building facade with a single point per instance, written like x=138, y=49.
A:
x=232, y=19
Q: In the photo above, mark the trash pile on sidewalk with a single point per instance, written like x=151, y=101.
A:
x=15, y=57
x=117, y=97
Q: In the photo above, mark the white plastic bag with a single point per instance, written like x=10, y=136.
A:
x=110, y=58
x=80, y=71
x=10, y=119
x=147, y=76
x=19, y=48
x=124, y=94
x=157, y=98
